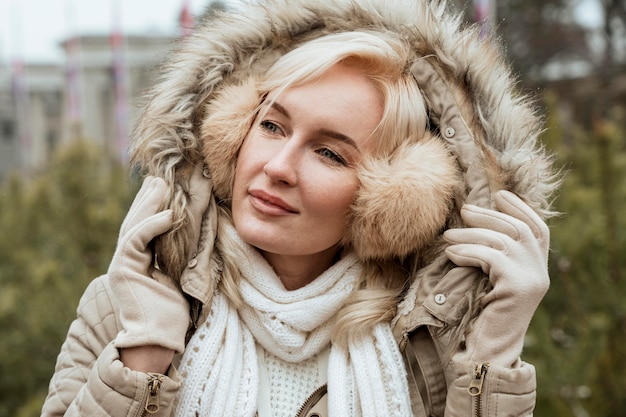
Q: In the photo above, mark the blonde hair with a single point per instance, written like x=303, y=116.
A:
x=383, y=58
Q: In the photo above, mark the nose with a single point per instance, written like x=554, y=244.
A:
x=282, y=164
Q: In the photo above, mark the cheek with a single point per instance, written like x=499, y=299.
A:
x=245, y=166
x=336, y=197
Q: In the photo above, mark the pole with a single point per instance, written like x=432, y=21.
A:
x=119, y=83
x=73, y=76
x=21, y=96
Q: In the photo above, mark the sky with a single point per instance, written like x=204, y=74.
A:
x=31, y=30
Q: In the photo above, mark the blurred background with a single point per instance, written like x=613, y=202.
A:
x=71, y=77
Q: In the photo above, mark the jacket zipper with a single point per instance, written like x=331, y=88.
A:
x=153, y=403
x=475, y=388
x=312, y=400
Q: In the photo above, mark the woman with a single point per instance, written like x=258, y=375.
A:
x=342, y=216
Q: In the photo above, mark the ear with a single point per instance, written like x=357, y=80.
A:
x=403, y=201
x=229, y=117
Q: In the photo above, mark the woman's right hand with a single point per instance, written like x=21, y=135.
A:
x=151, y=358
x=154, y=313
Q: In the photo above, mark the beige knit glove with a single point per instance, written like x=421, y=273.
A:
x=153, y=310
x=512, y=247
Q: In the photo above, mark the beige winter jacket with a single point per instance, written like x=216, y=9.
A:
x=90, y=380
x=474, y=109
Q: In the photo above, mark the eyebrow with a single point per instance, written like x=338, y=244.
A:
x=340, y=136
x=325, y=132
x=280, y=108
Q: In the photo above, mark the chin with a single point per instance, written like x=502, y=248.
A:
x=258, y=235
x=281, y=244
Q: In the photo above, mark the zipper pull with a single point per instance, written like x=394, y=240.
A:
x=476, y=385
x=154, y=390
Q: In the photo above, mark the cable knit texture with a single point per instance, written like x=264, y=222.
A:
x=367, y=379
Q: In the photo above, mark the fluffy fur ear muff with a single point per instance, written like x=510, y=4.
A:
x=403, y=201
x=229, y=117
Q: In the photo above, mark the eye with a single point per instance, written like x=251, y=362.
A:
x=331, y=155
x=270, y=127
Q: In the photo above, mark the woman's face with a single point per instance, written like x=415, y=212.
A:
x=296, y=173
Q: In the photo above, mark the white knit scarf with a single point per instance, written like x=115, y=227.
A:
x=219, y=367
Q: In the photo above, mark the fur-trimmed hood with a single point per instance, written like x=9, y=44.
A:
x=475, y=110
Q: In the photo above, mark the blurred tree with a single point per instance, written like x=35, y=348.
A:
x=554, y=39
x=614, y=31
x=543, y=38
x=58, y=232
x=576, y=338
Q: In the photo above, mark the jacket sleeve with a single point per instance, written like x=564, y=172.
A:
x=90, y=380
x=490, y=390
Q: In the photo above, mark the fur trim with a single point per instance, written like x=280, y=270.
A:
x=403, y=201
x=230, y=115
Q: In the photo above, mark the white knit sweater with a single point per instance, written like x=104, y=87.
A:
x=285, y=386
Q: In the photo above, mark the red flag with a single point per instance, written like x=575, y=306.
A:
x=484, y=12
x=186, y=19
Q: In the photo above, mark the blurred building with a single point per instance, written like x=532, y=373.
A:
x=43, y=106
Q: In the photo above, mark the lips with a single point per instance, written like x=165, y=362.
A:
x=270, y=203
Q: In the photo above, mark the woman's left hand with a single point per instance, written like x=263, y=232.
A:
x=152, y=308
x=511, y=246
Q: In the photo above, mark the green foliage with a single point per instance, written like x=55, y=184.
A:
x=59, y=231
x=576, y=338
